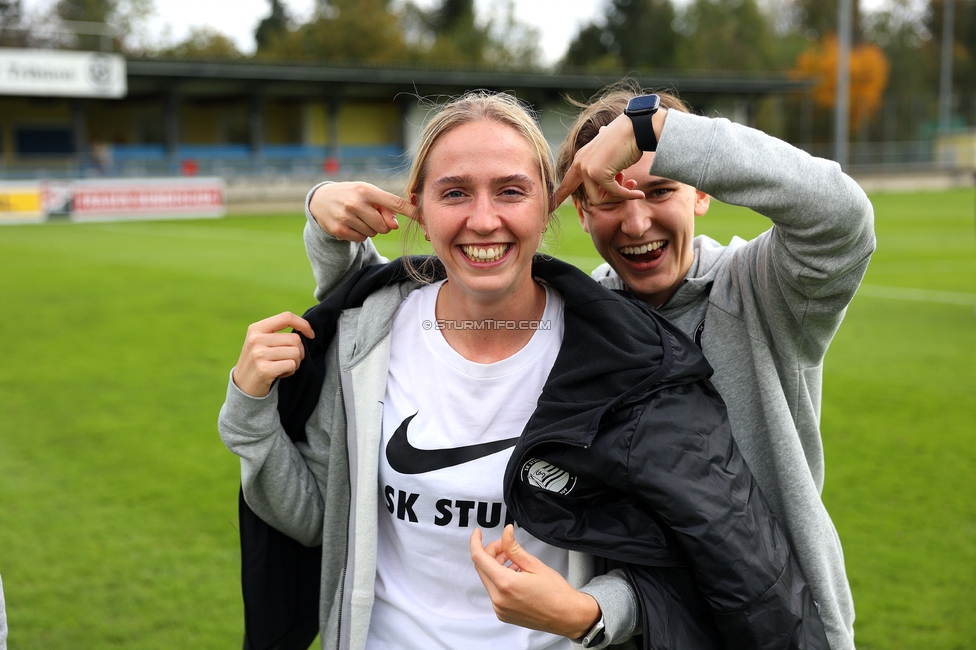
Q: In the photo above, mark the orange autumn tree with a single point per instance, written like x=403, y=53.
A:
x=868, y=76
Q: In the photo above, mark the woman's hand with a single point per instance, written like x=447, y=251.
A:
x=526, y=592
x=598, y=164
x=269, y=353
x=356, y=211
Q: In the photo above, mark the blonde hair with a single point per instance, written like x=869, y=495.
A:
x=602, y=109
x=475, y=106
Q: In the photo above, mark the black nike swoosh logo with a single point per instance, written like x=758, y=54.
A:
x=407, y=459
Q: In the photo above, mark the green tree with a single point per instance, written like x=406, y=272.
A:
x=94, y=11
x=899, y=29
x=127, y=19
x=817, y=18
x=203, y=43
x=274, y=26
x=964, y=45
x=630, y=34
x=512, y=44
x=588, y=50
x=344, y=30
x=451, y=33
x=727, y=35
x=12, y=31
x=448, y=32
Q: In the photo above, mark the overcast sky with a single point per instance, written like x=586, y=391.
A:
x=557, y=20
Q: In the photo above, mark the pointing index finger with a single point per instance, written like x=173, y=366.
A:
x=570, y=182
x=393, y=202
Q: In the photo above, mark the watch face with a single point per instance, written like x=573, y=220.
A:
x=643, y=104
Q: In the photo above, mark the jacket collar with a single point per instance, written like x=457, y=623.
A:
x=615, y=349
x=710, y=258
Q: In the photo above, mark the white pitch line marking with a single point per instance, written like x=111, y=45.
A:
x=919, y=295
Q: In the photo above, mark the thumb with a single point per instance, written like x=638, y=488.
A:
x=518, y=555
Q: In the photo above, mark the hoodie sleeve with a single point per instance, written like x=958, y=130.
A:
x=618, y=606
x=276, y=474
x=685, y=466
x=805, y=270
x=333, y=261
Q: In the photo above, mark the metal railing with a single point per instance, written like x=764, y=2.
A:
x=880, y=155
x=284, y=162
x=191, y=162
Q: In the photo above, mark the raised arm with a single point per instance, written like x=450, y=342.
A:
x=822, y=218
x=341, y=220
x=801, y=274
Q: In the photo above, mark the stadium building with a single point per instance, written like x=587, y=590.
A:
x=86, y=114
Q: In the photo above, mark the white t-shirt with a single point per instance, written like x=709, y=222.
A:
x=433, y=494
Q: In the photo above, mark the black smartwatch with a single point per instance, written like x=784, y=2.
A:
x=641, y=111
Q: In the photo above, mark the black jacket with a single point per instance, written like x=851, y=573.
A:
x=629, y=456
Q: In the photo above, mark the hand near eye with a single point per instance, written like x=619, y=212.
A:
x=356, y=211
x=528, y=593
x=597, y=165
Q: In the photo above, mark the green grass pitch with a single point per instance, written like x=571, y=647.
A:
x=118, y=520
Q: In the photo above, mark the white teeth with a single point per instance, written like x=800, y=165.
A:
x=489, y=254
x=640, y=250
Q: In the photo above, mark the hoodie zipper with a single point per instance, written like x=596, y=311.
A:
x=345, y=561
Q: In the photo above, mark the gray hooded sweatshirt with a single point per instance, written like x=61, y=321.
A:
x=764, y=312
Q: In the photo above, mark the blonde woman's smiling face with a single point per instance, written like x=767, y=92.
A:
x=483, y=206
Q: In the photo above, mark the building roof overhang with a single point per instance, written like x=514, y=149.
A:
x=216, y=78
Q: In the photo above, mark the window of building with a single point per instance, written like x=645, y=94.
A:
x=44, y=141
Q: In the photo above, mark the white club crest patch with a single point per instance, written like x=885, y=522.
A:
x=547, y=476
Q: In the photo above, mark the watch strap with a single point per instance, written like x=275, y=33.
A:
x=644, y=131
x=595, y=636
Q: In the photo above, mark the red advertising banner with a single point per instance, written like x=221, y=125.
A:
x=141, y=198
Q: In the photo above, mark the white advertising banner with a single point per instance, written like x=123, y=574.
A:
x=110, y=199
x=52, y=73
